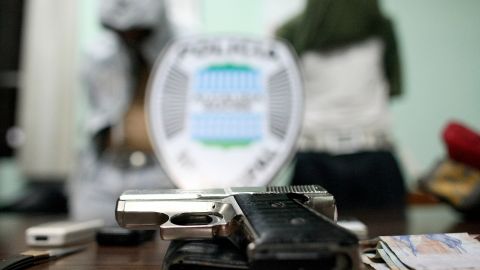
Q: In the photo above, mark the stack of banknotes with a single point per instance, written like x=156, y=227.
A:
x=426, y=251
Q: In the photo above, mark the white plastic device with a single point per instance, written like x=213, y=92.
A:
x=355, y=226
x=62, y=233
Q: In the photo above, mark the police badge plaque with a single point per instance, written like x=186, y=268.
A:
x=224, y=111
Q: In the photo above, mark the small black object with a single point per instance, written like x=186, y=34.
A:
x=117, y=236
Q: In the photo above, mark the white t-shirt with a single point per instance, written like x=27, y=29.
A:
x=346, y=99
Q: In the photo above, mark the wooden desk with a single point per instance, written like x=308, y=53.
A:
x=417, y=219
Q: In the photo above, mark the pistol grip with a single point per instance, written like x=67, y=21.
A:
x=288, y=235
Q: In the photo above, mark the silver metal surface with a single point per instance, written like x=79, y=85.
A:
x=203, y=213
x=179, y=219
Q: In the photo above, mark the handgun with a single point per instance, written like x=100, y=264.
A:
x=287, y=227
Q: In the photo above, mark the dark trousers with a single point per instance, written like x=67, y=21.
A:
x=359, y=180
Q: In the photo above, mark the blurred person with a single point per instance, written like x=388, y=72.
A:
x=116, y=68
x=350, y=61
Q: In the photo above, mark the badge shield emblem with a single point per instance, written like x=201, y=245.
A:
x=224, y=111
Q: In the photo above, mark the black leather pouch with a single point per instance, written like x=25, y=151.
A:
x=204, y=255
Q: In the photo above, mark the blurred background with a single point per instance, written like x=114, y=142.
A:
x=43, y=105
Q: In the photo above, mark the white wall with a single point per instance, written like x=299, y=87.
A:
x=440, y=43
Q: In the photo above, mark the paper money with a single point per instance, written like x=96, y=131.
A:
x=372, y=262
x=431, y=251
x=382, y=258
x=389, y=257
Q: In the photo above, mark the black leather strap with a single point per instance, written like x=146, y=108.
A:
x=204, y=255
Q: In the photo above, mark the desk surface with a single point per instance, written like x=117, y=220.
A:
x=417, y=219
